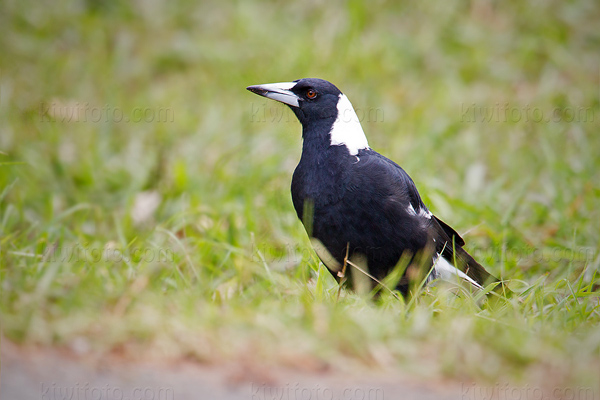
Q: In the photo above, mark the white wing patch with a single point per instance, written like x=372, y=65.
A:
x=448, y=272
x=423, y=212
x=346, y=129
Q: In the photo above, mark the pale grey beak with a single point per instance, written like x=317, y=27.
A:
x=277, y=91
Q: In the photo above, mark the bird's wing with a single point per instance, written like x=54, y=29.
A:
x=390, y=176
x=448, y=243
x=389, y=199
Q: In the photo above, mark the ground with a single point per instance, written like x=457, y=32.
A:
x=29, y=373
x=145, y=209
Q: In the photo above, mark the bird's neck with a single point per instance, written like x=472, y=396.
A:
x=316, y=138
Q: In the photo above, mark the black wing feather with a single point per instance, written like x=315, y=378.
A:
x=450, y=245
x=452, y=234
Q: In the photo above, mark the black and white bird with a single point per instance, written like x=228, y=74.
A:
x=358, y=205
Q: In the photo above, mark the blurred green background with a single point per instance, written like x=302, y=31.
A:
x=144, y=193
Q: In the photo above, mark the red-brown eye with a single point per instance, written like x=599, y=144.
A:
x=311, y=94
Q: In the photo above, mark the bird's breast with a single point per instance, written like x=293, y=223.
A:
x=322, y=181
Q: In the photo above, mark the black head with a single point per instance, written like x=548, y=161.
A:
x=325, y=113
x=309, y=98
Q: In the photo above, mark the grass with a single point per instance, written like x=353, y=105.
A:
x=144, y=194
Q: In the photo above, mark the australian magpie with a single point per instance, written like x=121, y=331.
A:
x=359, y=206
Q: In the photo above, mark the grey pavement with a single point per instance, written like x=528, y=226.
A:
x=53, y=374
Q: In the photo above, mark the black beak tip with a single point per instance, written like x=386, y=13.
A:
x=256, y=89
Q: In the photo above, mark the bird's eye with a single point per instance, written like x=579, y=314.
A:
x=311, y=94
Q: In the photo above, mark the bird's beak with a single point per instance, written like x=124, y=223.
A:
x=277, y=91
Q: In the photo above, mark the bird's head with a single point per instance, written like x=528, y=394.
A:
x=321, y=108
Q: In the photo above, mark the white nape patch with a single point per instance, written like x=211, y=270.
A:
x=325, y=256
x=346, y=129
x=423, y=212
x=448, y=272
x=281, y=92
